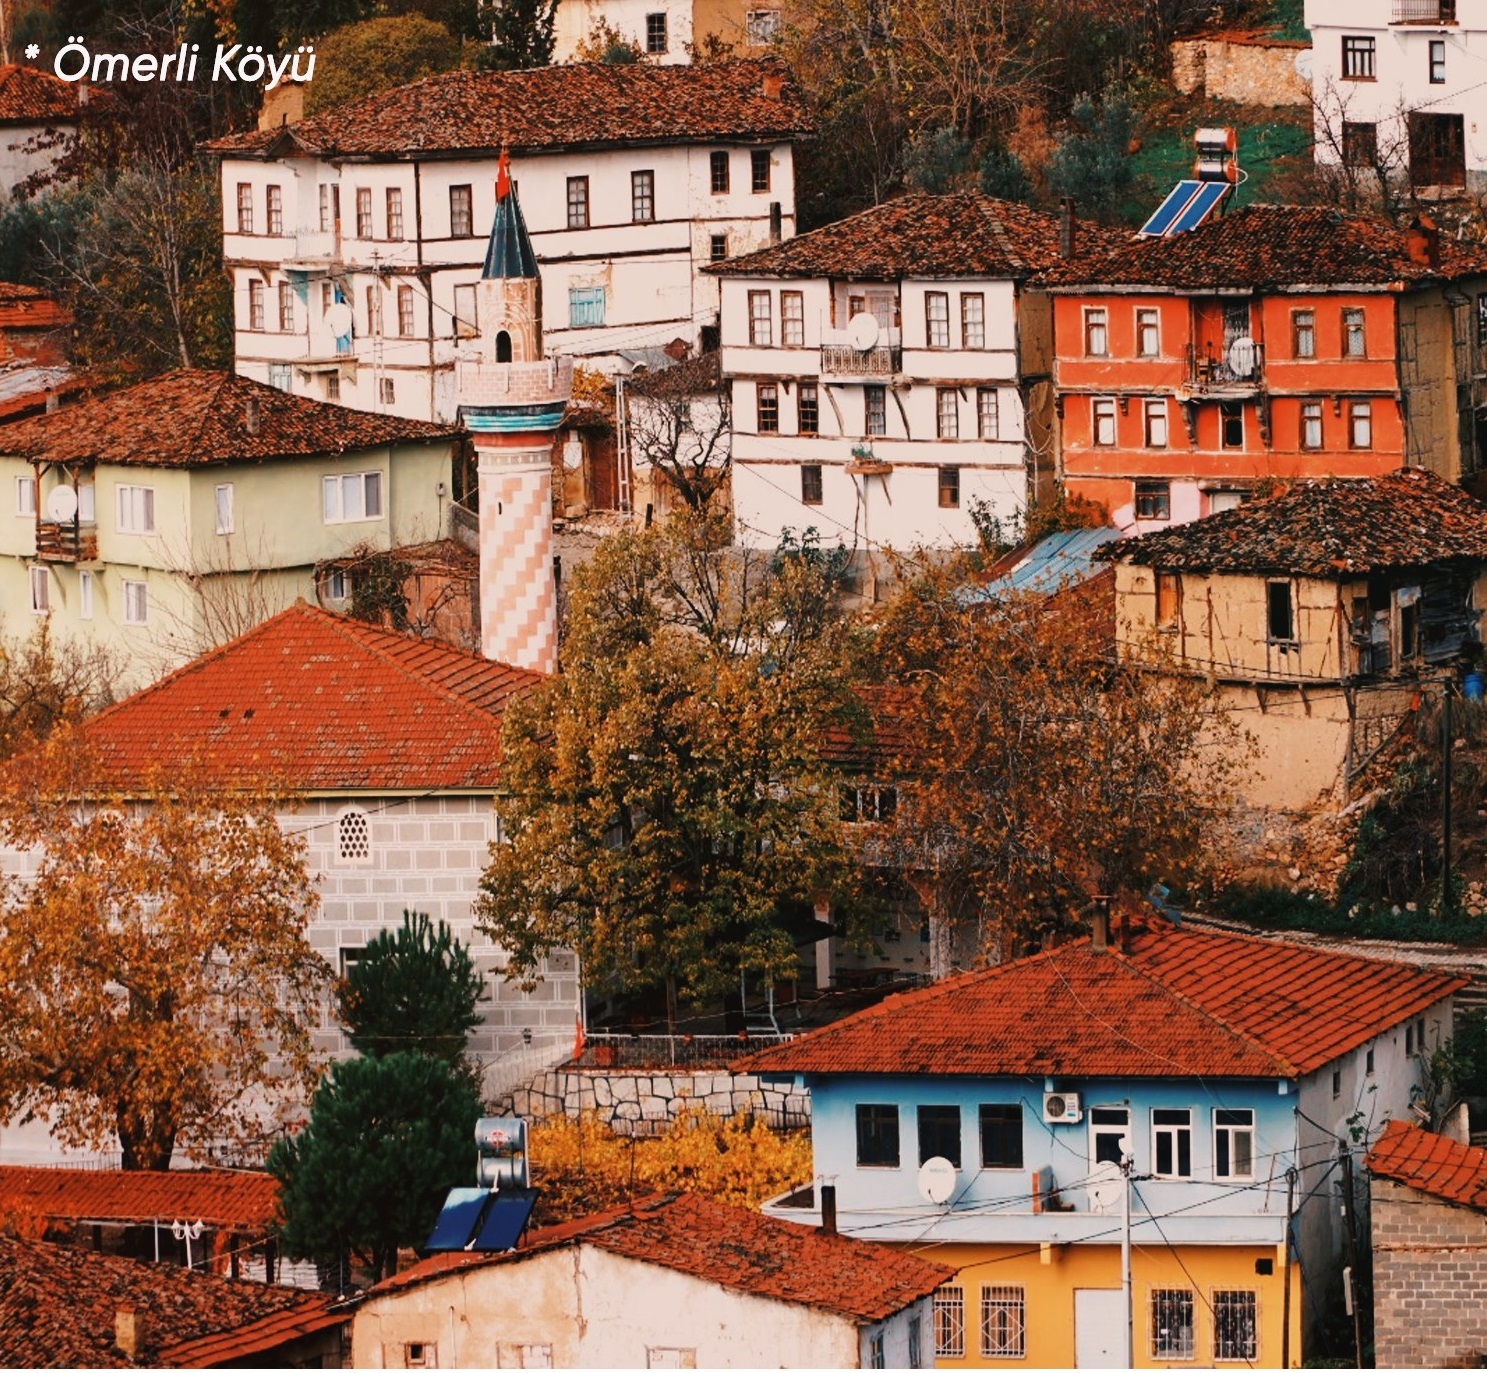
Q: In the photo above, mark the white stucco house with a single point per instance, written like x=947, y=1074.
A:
x=39, y=118
x=355, y=239
x=668, y=30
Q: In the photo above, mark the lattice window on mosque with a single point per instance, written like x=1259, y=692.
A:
x=354, y=838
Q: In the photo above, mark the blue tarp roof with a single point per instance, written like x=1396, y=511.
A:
x=1060, y=560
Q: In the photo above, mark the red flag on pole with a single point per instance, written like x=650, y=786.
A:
x=503, y=176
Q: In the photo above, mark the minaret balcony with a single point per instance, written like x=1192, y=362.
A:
x=513, y=397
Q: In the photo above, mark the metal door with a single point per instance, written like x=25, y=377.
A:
x=1099, y=1327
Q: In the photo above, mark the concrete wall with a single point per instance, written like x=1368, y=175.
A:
x=1429, y=1280
x=646, y=1102
x=1245, y=69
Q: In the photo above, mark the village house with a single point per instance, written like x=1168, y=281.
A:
x=667, y=1282
x=674, y=444
x=355, y=239
x=160, y=520
x=1317, y=614
x=34, y=372
x=670, y=30
x=984, y=1121
x=1275, y=342
x=1428, y=1207
x=39, y=118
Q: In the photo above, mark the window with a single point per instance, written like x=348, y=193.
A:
x=1357, y=58
x=524, y=1355
x=1353, y=344
x=327, y=296
x=354, y=496
x=916, y=1343
x=1167, y=600
x=877, y=1136
x=1234, y=1325
x=1172, y=1323
x=286, y=308
x=1110, y=1134
x=41, y=588
x=1102, y=410
x=655, y=33
x=1279, y=618
x=280, y=376
x=385, y=391
x=875, y=406
x=810, y=484
x=353, y=837
x=643, y=197
x=1368, y=1063
x=363, y=212
x=761, y=326
x=276, y=209
x=256, y=312
x=808, y=409
x=224, y=508
x=939, y=1133
x=1360, y=144
x=1153, y=500
x=1003, y=1315
x=768, y=407
x=245, y=208
x=972, y=320
x=1437, y=61
x=868, y=804
x=792, y=319
x=1303, y=334
x=718, y=170
x=1148, y=334
x=327, y=218
x=875, y=1355
x=1336, y=1082
x=1233, y=1143
x=947, y=412
x=1360, y=424
x=1172, y=1142
x=461, y=212
x=1231, y=424
x=136, y=507
x=405, y=311
x=949, y=484
x=1156, y=423
x=85, y=595
x=717, y=247
x=420, y=1354
x=394, y=212
x=585, y=306
x=759, y=170
x=761, y=27
x=1409, y=1041
x=136, y=603
x=86, y=495
x=25, y=496
x=986, y=413
x=936, y=319
x=466, y=311
x=1311, y=424
x=658, y=1356
x=333, y=386
x=1001, y=1135
x=578, y=202
x=950, y=1323
x=1096, y=334
x=333, y=585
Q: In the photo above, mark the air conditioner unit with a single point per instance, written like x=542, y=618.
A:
x=1061, y=1108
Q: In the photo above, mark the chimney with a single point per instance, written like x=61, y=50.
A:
x=252, y=417
x=1099, y=924
x=774, y=84
x=1422, y=241
x=828, y=1208
x=776, y=221
x=129, y=1331
x=51, y=400
x=82, y=95
x=1066, y=227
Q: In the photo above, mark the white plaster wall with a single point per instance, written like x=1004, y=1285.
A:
x=576, y=20
x=28, y=149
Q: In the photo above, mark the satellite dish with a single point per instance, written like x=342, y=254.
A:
x=1106, y=1185
x=862, y=331
x=339, y=317
x=1241, y=357
x=1304, y=64
x=937, y=1176
x=61, y=505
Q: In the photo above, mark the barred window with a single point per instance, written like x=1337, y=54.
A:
x=1172, y=1323
x=353, y=837
x=1234, y=1325
x=1003, y=1313
x=950, y=1323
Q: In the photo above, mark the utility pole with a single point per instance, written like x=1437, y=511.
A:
x=1125, y=1261
x=1448, y=892
x=1285, y=1308
x=1353, y=1295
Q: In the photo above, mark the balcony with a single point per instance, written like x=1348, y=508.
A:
x=66, y=543
x=1237, y=373
x=1423, y=12
x=843, y=360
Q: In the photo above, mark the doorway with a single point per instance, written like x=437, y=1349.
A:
x=1437, y=150
x=1099, y=1327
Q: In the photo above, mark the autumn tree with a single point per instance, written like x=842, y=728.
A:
x=679, y=424
x=376, y=55
x=156, y=983
x=46, y=682
x=667, y=799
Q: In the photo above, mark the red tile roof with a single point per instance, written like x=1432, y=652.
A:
x=321, y=702
x=193, y=418
x=225, y=1201
x=544, y=109
x=876, y=737
x=1431, y=1163
x=734, y=1248
x=1179, y=1002
x=257, y=1337
x=28, y=96
x=58, y=1306
x=1269, y=247
x=1326, y=529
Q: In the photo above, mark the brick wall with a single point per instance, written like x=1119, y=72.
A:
x=1248, y=71
x=1429, y=1280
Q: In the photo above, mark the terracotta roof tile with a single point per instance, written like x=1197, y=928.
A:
x=256, y=1337
x=1431, y=1163
x=734, y=1248
x=222, y=1200
x=1405, y=519
x=324, y=703
x=548, y=108
x=960, y=235
x=1178, y=1002
x=192, y=418
x=28, y=96
x=1268, y=247
x=58, y=1305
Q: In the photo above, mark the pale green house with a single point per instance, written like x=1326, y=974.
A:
x=166, y=518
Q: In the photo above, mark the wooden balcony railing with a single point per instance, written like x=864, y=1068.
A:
x=66, y=543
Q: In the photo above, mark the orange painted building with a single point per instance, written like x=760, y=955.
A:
x=1277, y=342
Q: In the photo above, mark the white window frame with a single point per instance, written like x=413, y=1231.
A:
x=333, y=490
x=949, y=1315
x=87, y=502
x=136, y=596
x=1231, y=1132
x=1354, y=330
x=281, y=376
x=1157, y=430
x=1011, y=1300
x=222, y=502
x=761, y=27
x=1148, y=326
x=669, y=1356
x=1221, y=1296
x=1102, y=408
x=1161, y=1300
x=1173, y=1132
x=134, y=508
x=327, y=220
x=39, y=580
x=25, y=497
x=1099, y=1129
x=85, y=595
x=1360, y=425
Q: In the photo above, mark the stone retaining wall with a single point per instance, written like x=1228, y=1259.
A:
x=1247, y=70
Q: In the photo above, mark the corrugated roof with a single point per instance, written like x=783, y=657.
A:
x=1431, y=1163
x=1061, y=560
x=225, y=1201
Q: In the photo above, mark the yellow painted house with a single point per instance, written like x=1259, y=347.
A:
x=163, y=519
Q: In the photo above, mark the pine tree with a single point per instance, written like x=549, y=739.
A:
x=521, y=35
